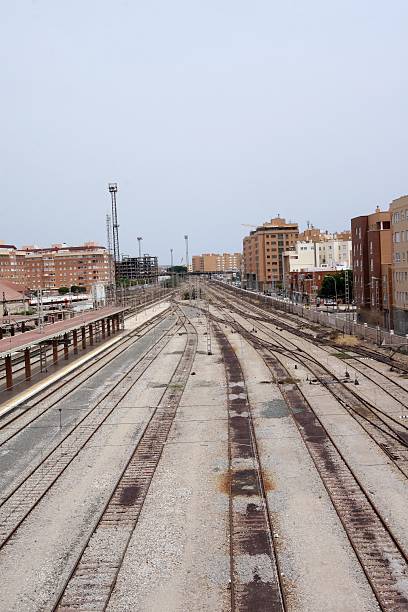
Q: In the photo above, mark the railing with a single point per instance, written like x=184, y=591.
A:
x=342, y=323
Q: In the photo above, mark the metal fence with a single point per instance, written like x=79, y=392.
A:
x=344, y=323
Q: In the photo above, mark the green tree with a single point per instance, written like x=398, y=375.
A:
x=78, y=289
x=63, y=290
x=333, y=281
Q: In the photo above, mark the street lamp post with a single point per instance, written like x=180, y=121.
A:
x=335, y=286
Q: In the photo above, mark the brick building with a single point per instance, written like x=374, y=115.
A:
x=57, y=266
x=372, y=257
x=304, y=286
x=399, y=278
x=263, y=253
x=216, y=262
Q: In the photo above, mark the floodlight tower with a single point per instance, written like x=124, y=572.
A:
x=139, y=239
x=113, y=189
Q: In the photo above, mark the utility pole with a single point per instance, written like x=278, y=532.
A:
x=40, y=310
x=187, y=262
x=172, y=271
x=5, y=310
x=113, y=188
x=139, y=239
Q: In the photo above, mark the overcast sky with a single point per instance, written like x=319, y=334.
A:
x=209, y=114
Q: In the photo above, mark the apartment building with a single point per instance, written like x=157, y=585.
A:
x=263, y=253
x=216, y=262
x=399, y=279
x=334, y=253
x=372, y=257
x=57, y=266
x=330, y=253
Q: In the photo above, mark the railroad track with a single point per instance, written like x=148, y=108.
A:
x=19, y=502
x=382, y=559
x=401, y=398
x=256, y=586
x=390, y=434
x=93, y=578
x=320, y=338
x=79, y=375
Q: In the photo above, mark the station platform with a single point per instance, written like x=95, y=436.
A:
x=102, y=322
x=22, y=392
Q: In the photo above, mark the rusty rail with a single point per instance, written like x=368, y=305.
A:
x=255, y=582
x=94, y=576
x=382, y=559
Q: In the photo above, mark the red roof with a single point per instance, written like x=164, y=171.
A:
x=12, y=291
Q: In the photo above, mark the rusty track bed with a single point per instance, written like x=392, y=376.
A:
x=388, y=433
x=93, y=578
x=382, y=559
x=20, y=502
x=255, y=583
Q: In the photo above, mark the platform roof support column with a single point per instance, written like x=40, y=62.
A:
x=108, y=326
x=55, y=350
x=90, y=334
x=75, y=341
x=9, y=372
x=1, y=333
x=103, y=329
x=83, y=335
x=23, y=327
x=66, y=346
x=12, y=330
x=27, y=363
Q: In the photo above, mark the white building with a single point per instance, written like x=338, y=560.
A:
x=331, y=254
x=334, y=253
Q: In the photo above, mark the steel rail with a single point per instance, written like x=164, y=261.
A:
x=391, y=440
x=111, y=352
x=381, y=557
x=90, y=583
x=251, y=533
x=23, y=498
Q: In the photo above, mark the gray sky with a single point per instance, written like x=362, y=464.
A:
x=208, y=114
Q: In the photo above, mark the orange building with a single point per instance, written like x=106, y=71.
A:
x=215, y=262
x=399, y=280
x=264, y=249
x=57, y=266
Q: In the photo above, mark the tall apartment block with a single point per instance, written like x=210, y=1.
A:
x=264, y=248
x=216, y=262
x=57, y=266
x=372, y=257
x=399, y=229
